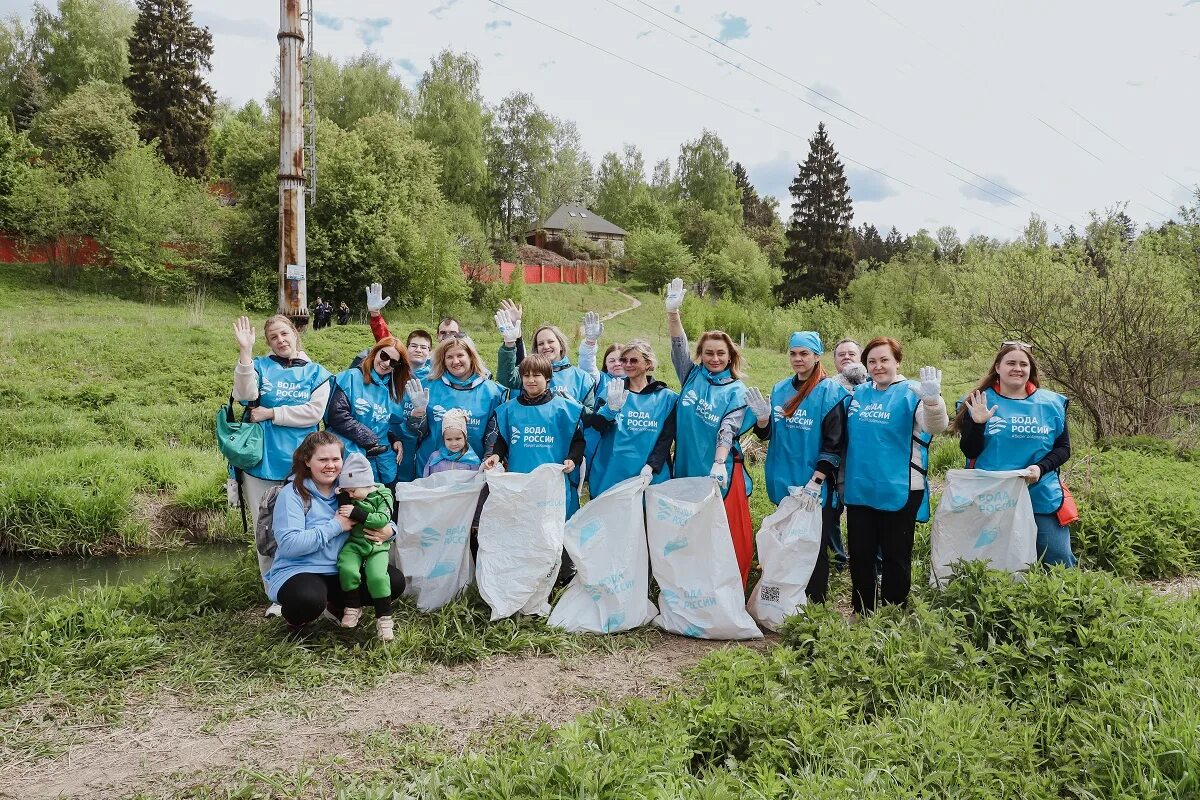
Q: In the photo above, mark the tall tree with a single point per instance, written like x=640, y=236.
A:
x=450, y=116
x=363, y=86
x=617, y=183
x=757, y=212
x=704, y=176
x=819, y=260
x=569, y=175
x=30, y=96
x=519, y=151
x=175, y=104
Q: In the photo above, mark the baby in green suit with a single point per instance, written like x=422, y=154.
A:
x=372, y=508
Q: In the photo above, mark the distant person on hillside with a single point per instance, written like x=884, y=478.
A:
x=1039, y=445
x=287, y=394
x=889, y=423
x=710, y=418
x=321, y=313
x=804, y=417
x=343, y=314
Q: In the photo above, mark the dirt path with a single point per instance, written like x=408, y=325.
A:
x=154, y=742
x=635, y=303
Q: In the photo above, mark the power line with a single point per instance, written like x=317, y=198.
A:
x=1068, y=138
x=733, y=108
x=1124, y=147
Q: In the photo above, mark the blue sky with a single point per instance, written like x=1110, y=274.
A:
x=946, y=113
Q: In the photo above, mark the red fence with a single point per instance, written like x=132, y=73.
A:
x=81, y=250
x=540, y=273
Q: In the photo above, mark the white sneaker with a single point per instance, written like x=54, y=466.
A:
x=350, y=617
x=385, y=629
x=273, y=610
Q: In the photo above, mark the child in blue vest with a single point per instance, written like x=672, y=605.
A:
x=1010, y=423
x=455, y=452
x=369, y=506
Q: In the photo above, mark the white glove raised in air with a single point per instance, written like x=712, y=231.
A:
x=510, y=331
x=375, y=299
x=418, y=395
x=617, y=395
x=931, y=383
x=675, y=293
x=593, y=328
x=718, y=473
x=759, y=406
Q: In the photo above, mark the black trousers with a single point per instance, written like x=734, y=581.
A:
x=891, y=533
x=818, y=583
x=303, y=597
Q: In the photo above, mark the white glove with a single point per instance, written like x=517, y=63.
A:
x=717, y=473
x=809, y=496
x=855, y=373
x=375, y=299
x=418, y=395
x=510, y=331
x=617, y=395
x=931, y=383
x=593, y=328
x=759, y=406
x=647, y=472
x=675, y=293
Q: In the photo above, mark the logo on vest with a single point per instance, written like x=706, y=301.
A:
x=534, y=434
x=364, y=408
x=799, y=420
x=638, y=420
x=1025, y=426
x=871, y=412
x=689, y=398
x=514, y=434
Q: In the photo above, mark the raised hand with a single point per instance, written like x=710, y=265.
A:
x=418, y=395
x=509, y=331
x=243, y=332
x=593, y=328
x=977, y=407
x=617, y=395
x=675, y=293
x=760, y=407
x=375, y=299
x=931, y=383
x=514, y=311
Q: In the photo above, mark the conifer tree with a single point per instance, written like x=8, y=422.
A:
x=819, y=260
x=175, y=104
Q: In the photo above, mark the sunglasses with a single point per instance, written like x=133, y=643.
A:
x=634, y=360
x=388, y=358
x=1028, y=348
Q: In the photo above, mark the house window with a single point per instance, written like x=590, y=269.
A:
x=582, y=214
x=571, y=213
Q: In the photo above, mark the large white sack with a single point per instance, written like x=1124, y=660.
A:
x=607, y=541
x=691, y=554
x=983, y=516
x=521, y=540
x=433, y=539
x=788, y=544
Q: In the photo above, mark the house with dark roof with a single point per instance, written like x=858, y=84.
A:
x=575, y=217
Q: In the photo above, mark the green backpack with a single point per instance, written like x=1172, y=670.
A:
x=241, y=442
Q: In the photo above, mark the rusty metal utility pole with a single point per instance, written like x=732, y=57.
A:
x=293, y=259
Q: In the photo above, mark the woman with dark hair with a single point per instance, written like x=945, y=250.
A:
x=710, y=417
x=310, y=528
x=805, y=420
x=889, y=422
x=1010, y=423
x=364, y=401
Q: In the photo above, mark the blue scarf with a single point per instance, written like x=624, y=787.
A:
x=561, y=364
x=445, y=454
x=461, y=383
x=718, y=378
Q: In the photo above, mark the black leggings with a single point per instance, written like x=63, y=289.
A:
x=891, y=533
x=818, y=583
x=303, y=597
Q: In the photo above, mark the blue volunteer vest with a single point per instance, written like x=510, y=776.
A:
x=479, y=402
x=283, y=386
x=625, y=447
x=1021, y=433
x=591, y=436
x=796, y=440
x=406, y=467
x=573, y=382
x=542, y=434
x=373, y=406
x=879, y=428
x=702, y=406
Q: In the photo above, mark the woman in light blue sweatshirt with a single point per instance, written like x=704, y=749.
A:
x=309, y=529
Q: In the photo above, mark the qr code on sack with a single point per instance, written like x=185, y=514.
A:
x=770, y=594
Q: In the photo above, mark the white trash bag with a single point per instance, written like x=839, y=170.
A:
x=607, y=541
x=691, y=554
x=789, y=542
x=521, y=540
x=984, y=516
x=433, y=539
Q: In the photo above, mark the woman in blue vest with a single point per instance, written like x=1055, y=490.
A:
x=710, y=418
x=287, y=394
x=593, y=329
x=805, y=420
x=888, y=424
x=1010, y=423
x=548, y=341
x=635, y=423
x=365, y=400
x=458, y=380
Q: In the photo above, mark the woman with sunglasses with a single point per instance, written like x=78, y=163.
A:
x=1010, y=423
x=711, y=418
x=458, y=380
x=365, y=400
x=634, y=423
x=805, y=420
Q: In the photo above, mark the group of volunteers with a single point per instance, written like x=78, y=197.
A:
x=856, y=438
